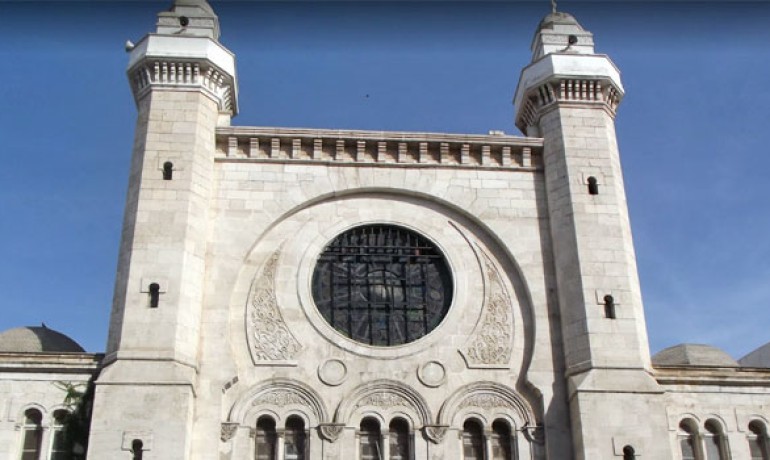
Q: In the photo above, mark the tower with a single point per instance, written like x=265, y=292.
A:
x=184, y=85
x=568, y=96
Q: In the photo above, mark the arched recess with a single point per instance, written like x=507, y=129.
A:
x=487, y=400
x=381, y=396
x=279, y=397
x=286, y=231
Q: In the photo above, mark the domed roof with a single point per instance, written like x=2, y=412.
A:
x=693, y=354
x=559, y=18
x=37, y=339
x=757, y=358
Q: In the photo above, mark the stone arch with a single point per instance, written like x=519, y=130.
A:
x=384, y=394
x=490, y=399
x=283, y=397
x=33, y=405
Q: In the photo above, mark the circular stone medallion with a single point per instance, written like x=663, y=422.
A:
x=332, y=372
x=432, y=374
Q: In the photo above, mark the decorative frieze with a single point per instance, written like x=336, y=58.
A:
x=392, y=149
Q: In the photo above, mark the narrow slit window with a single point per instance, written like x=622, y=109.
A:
x=757, y=441
x=593, y=186
x=137, y=447
x=609, y=307
x=154, y=295
x=168, y=170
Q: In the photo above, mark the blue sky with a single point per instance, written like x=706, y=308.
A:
x=694, y=132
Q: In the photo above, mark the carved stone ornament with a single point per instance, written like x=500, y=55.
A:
x=228, y=431
x=491, y=342
x=331, y=431
x=383, y=399
x=485, y=401
x=269, y=337
x=436, y=433
x=280, y=398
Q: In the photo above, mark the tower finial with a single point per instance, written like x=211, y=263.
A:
x=553, y=6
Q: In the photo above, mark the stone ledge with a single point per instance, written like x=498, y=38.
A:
x=379, y=147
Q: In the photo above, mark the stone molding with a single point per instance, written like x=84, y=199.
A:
x=184, y=74
x=598, y=92
x=377, y=147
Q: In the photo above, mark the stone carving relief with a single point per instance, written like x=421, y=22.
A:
x=269, y=337
x=280, y=398
x=436, y=433
x=491, y=342
x=331, y=431
x=485, y=401
x=228, y=431
x=383, y=399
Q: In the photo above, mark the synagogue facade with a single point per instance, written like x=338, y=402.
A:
x=353, y=295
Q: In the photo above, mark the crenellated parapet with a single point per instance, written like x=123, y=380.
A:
x=378, y=147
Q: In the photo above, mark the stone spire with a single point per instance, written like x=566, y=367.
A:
x=189, y=17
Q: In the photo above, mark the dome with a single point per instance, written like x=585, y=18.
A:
x=757, y=358
x=693, y=354
x=37, y=339
x=558, y=18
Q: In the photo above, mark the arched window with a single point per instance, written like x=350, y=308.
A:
x=59, y=449
x=501, y=441
x=370, y=439
x=266, y=439
x=629, y=453
x=758, y=441
x=295, y=439
x=32, y=432
x=687, y=441
x=714, y=441
x=399, y=440
x=473, y=440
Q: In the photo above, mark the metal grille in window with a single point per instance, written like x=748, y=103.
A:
x=382, y=285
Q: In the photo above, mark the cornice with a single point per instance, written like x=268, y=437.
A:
x=565, y=92
x=399, y=149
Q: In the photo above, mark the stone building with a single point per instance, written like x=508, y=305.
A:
x=333, y=294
